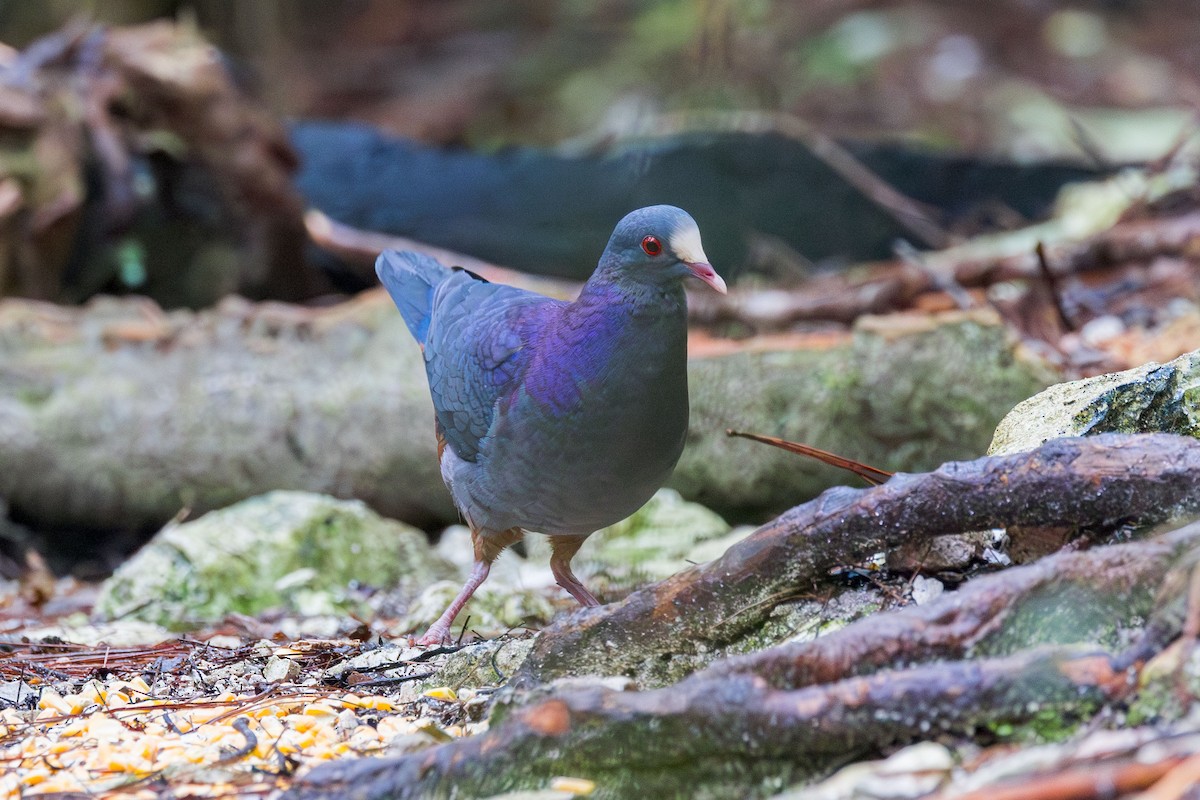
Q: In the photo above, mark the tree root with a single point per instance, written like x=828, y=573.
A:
x=1097, y=484
x=1091, y=592
x=732, y=735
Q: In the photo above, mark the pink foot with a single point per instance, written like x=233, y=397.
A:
x=439, y=632
x=435, y=636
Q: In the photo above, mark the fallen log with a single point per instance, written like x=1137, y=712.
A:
x=1099, y=485
x=117, y=415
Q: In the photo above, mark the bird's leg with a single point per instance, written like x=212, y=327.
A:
x=487, y=548
x=439, y=632
x=563, y=549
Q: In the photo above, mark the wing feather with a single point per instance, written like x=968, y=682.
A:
x=475, y=354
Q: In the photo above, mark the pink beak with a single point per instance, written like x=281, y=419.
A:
x=704, y=271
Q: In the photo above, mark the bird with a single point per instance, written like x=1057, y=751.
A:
x=551, y=416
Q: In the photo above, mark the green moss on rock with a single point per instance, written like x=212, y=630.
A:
x=294, y=550
x=485, y=664
x=1150, y=398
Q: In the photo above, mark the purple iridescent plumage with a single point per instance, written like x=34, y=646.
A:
x=557, y=417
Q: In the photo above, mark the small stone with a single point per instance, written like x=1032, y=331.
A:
x=1101, y=329
x=926, y=589
x=279, y=670
x=17, y=694
x=346, y=722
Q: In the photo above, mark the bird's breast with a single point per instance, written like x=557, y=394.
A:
x=596, y=426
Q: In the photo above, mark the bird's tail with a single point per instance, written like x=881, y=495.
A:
x=410, y=279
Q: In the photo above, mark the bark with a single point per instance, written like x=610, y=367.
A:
x=117, y=415
x=1099, y=484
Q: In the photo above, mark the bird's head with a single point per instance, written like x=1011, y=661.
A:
x=658, y=244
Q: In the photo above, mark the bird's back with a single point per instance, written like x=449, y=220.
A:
x=473, y=334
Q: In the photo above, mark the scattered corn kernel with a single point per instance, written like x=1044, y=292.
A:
x=139, y=685
x=376, y=703
x=390, y=727
x=575, y=786
x=321, y=708
x=364, y=739
x=61, y=746
x=75, y=727
x=51, y=700
x=93, y=692
x=115, y=731
x=300, y=722
x=202, y=716
x=271, y=726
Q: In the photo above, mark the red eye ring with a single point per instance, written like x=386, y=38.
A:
x=651, y=245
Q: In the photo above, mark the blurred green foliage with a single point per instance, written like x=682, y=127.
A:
x=1019, y=79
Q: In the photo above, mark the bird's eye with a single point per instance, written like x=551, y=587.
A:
x=652, y=245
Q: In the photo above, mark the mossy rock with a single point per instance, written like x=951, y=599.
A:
x=486, y=664
x=1146, y=399
x=297, y=551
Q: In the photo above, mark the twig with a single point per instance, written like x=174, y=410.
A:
x=242, y=726
x=1052, y=286
x=917, y=217
x=414, y=676
x=1181, y=778
x=943, y=280
x=872, y=475
x=1094, y=782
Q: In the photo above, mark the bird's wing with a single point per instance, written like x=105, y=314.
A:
x=475, y=353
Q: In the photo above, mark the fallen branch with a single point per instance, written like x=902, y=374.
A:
x=895, y=286
x=1094, y=484
x=1083, y=783
x=358, y=249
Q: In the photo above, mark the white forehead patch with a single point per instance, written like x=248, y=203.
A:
x=685, y=244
